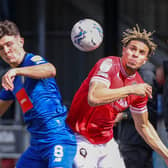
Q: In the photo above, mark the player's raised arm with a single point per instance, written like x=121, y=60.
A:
x=38, y=71
x=99, y=94
x=146, y=130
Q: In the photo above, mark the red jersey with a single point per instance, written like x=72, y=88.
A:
x=96, y=123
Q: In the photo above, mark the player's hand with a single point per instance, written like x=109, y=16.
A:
x=8, y=78
x=142, y=89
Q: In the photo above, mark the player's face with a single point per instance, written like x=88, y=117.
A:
x=134, y=55
x=11, y=49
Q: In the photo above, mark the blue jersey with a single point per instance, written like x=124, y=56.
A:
x=41, y=104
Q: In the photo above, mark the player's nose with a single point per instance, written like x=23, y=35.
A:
x=136, y=53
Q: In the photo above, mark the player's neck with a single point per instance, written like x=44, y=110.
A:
x=125, y=70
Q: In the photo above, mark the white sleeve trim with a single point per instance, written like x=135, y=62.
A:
x=138, y=110
x=102, y=80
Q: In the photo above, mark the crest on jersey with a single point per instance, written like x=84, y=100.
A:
x=106, y=65
x=83, y=152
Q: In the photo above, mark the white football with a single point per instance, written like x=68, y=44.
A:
x=87, y=35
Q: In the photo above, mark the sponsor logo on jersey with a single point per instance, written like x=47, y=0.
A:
x=122, y=102
x=24, y=100
x=120, y=105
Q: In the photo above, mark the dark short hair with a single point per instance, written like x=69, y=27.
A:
x=8, y=28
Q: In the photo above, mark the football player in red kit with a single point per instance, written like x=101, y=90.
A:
x=112, y=86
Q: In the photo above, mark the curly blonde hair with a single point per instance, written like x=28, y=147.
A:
x=136, y=34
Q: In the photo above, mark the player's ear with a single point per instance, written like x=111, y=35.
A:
x=22, y=40
x=146, y=59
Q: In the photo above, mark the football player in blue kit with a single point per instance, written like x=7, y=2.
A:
x=31, y=81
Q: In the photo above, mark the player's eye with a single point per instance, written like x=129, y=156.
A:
x=142, y=52
x=133, y=48
x=9, y=44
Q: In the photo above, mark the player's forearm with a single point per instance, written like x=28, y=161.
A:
x=151, y=137
x=38, y=71
x=102, y=95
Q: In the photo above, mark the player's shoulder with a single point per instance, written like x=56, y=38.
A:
x=33, y=59
x=105, y=64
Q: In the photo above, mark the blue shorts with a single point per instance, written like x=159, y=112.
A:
x=58, y=156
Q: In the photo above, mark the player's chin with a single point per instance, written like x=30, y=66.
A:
x=132, y=67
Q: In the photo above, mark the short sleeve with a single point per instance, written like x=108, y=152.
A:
x=102, y=71
x=140, y=105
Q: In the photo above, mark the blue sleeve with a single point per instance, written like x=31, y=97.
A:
x=6, y=95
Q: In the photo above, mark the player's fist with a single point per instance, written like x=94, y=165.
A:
x=142, y=89
x=8, y=78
